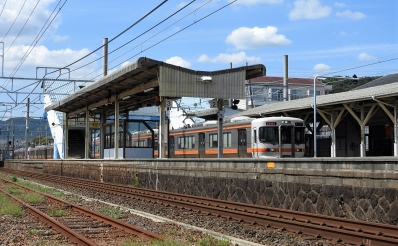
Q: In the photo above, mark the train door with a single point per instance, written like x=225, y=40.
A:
x=171, y=147
x=254, y=143
x=286, y=141
x=242, y=146
x=202, y=145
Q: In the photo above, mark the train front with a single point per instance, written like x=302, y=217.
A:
x=278, y=137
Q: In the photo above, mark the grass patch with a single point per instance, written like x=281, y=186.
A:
x=211, y=241
x=206, y=241
x=32, y=198
x=9, y=207
x=58, y=212
x=137, y=183
x=113, y=212
x=13, y=190
x=35, y=186
x=131, y=242
x=33, y=231
x=58, y=194
x=13, y=178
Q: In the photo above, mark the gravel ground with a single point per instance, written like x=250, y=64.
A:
x=235, y=232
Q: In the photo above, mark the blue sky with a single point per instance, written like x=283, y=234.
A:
x=319, y=36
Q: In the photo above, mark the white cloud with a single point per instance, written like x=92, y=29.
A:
x=321, y=67
x=178, y=61
x=340, y=5
x=32, y=27
x=237, y=58
x=256, y=37
x=351, y=15
x=40, y=56
x=365, y=57
x=309, y=9
x=254, y=2
x=59, y=38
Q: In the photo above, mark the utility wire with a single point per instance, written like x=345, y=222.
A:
x=23, y=26
x=150, y=39
x=14, y=21
x=374, y=63
x=4, y=5
x=131, y=40
x=118, y=34
x=175, y=33
x=33, y=44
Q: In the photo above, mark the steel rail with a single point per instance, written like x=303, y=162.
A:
x=57, y=226
x=344, y=230
x=139, y=232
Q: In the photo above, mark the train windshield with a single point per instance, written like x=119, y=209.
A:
x=268, y=135
x=299, y=135
x=271, y=135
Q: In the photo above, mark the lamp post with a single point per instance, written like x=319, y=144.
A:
x=314, y=126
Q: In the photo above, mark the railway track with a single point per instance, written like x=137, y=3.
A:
x=79, y=225
x=336, y=229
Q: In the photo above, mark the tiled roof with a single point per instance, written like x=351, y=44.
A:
x=386, y=90
x=388, y=79
x=279, y=80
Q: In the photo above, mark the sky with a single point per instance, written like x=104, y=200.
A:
x=320, y=37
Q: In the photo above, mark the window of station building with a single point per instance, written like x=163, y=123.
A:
x=276, y=94
x=311, y=93
x=213, y=140
x=295, y=94
x=186, y=142
x=138, y=135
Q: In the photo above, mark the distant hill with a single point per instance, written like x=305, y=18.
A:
x=37, y=128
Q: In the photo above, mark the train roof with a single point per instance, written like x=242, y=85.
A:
x=275, y=118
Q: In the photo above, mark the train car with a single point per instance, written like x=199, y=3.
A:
x=201, y=141
x=19, y=153
x=243, y=137
x=278, y=137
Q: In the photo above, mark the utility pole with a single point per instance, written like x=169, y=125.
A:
x=27, y=128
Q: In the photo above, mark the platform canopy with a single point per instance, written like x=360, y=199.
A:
x=144, y=81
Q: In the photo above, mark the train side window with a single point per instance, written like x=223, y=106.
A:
x=213, y=140
x=255, y=136
x=227, y=142
x=186, y=142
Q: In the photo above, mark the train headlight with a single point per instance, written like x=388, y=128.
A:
x=299, y=150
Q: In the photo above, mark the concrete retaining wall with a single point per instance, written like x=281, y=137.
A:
x=360, y=188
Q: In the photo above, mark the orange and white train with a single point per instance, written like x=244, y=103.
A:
x=243, y=137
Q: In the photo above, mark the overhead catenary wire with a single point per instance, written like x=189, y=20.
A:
x=14, y=21
x=4, y=5
x=22, y=27
x=175, y=33
x=35, y=41
x=131, y=41
x=135, y=23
